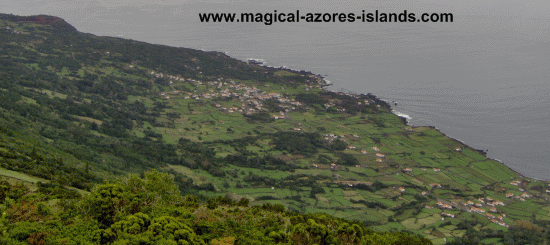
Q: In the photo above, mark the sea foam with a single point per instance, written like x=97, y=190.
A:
x=400, y=114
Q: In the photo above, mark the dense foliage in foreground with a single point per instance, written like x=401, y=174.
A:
x=150, y=210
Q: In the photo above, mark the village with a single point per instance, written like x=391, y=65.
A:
x=251, y=97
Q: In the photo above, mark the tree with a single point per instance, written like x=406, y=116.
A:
x=106, y=201
x=154, y=188
x=212, y=203
x=312, y=233
x=243, y=202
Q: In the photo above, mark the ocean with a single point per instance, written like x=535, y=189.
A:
x=483, y=79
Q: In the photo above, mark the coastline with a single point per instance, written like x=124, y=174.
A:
x=406, y=121
x=325, y=84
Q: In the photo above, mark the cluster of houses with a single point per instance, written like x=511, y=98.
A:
x=332, y=104
x=331, y=137
x=15, y=31
x=480, y=201
x=333, y=166
x=250, y=96
x=476, y=207
x=171, y=77
x=520, y=197
x=423, y=169
x=498, y=220
x=515, y=182
x=523, y=196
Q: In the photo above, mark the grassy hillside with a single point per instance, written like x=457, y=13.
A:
x=78, y=109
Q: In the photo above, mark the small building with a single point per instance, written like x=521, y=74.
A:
x=435, y=185
x=447, y=215
x=446, y=206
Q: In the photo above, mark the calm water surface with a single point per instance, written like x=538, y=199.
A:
x=483, y=79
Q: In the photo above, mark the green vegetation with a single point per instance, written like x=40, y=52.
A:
x=150, y=210
x=81, y=112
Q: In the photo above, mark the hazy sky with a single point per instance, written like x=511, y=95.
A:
x=83, y=13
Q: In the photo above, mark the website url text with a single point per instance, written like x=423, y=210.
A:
x=291, y=17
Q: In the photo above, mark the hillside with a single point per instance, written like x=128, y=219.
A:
x=78, y=109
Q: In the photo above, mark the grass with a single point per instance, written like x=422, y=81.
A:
x=23, y=177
